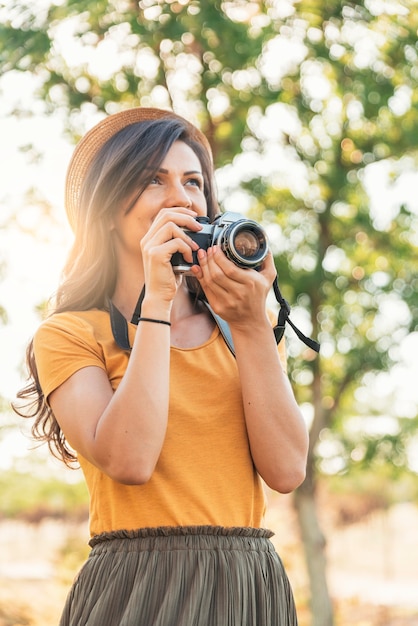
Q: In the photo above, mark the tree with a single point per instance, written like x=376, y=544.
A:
x=307, y=100
x=353, y=104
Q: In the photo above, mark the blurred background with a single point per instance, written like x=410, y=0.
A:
x=311, y=109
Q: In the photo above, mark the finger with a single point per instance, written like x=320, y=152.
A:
x=182, y=217
x=206, y=273
x=268, y=268
x=163, y=252
x=223, y=269
x=167, y=232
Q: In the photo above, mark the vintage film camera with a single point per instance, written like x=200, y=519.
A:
x=243, y=241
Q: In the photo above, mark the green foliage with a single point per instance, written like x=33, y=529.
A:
x=31, y=497
x=358, y=447
x=381, y=486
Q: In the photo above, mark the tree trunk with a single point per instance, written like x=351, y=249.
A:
x=314, y=547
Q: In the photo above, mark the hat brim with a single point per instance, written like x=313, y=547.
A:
x=97, y=136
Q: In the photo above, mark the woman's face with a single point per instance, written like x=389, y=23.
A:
x=177, y=183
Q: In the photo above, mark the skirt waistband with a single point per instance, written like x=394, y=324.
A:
x=181, y=536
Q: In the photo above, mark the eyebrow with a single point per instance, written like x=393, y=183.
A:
x=164, y=171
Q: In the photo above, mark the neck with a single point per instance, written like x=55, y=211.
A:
x=127, y=291
x=183, y=305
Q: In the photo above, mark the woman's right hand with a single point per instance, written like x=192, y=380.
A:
x=165, y=237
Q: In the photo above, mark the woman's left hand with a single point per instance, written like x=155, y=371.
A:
x=238, y=295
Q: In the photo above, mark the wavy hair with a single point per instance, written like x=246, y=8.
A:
x=120, y=171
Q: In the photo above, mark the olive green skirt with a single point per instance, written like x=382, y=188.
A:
x=186, y=576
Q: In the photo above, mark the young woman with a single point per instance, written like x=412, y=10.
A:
x=173, y=432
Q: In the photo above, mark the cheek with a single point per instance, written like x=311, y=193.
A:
x=146, y=207
x=128, y=229
x=200, y=203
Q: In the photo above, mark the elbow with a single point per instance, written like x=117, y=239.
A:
x=127, y=462
x=288, y=481
x=133, y=473
x=130, y=477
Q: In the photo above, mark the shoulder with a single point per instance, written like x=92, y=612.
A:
x=86, y=322
x=67, y=342
x=73, y=330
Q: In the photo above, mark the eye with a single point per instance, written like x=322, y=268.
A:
x=195, y=181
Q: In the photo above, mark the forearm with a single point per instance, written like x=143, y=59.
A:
x=276, y=429
x=131, y=431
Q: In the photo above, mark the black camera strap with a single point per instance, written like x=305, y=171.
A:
x=283, y=317
x=120, y=326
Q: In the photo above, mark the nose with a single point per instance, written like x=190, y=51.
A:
x=178, y=196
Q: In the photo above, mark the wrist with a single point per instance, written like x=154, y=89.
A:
x=156, y=309
x=251, y=327
x=153, y=320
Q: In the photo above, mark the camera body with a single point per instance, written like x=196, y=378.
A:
x=242, y=240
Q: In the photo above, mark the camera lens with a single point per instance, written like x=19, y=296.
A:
x=245, y=243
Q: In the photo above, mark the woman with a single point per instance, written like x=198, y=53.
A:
x=173, y=433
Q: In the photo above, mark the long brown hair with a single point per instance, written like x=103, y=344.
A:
x=121, y=170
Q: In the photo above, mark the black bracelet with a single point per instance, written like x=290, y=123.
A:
x=150, y=319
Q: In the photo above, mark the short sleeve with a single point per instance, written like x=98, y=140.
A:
x=64, y=344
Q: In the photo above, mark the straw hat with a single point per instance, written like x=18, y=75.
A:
x=95, y=138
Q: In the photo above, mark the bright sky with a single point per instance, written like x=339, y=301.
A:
x=32, y=264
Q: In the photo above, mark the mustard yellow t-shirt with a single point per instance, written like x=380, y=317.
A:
x=205, y=474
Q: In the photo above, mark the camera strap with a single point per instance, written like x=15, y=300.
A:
x=223, y=327
x=120, y=326
x=278, y=330
x=283, y=317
